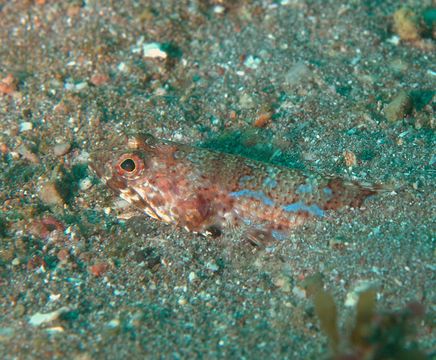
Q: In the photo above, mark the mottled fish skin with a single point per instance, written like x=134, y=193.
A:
x=206, y=191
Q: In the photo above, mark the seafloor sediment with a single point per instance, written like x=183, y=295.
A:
x=341, y=88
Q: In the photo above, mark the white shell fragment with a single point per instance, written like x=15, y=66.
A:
x=40, y=318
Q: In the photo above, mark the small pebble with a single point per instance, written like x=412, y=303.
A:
x=83, y=157
x=8, y=85
x=350, y=158
x=233, y=115
x=99, y=269
x=262, y=120
x=42, y=228
x=399, y=66
x=99, y=79
x=282, y=283
x=338, y=244
x=28, y=154
x=73, y=10
x=6, y=334
x=406, y=25
x=49, y=195
x=246, y=101
x=4, y=148
x=7, y=254
x=63, y=255
x=85, y=184
x=61, y=149
x=399, y=107
x=297, y=74
x=114, y=323
x=19, y=310
x=182, y=301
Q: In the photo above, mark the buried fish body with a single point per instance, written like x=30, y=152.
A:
x=206, y=191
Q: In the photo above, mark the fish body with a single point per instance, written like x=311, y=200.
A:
x=206, y=191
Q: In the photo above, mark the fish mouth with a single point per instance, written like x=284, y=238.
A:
x=100, y=164
x=97, y=164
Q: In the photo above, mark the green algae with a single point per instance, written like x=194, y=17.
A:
x=375, y=335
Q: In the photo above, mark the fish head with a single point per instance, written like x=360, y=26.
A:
x=126, y=169
x=123, y=162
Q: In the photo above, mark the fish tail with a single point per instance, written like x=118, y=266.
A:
x=349, y=193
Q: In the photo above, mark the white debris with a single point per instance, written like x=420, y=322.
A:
x=123, y=67
x=252, y=62
x=75, y=87
x=219, y=9
x=212, y=266
x=40, y=318
x=85, y=184
x=394, y=40
x=26, y=126
x=120, y=203
x=55, y=330
x=81, y=85
x=246, y=101
x=192, y=276
x=113, y=324
x=362, y=286
x=182, y=301
x=149, y=50
x=160, y=91
x=153, y=50
x=54, y=297
x=83, y=157
x=298, y=74
x=299, y=292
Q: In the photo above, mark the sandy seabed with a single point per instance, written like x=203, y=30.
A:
x=340, y=88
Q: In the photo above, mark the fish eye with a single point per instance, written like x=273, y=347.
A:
x=128, y=165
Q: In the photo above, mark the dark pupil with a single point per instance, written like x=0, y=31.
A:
x=128, y=165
